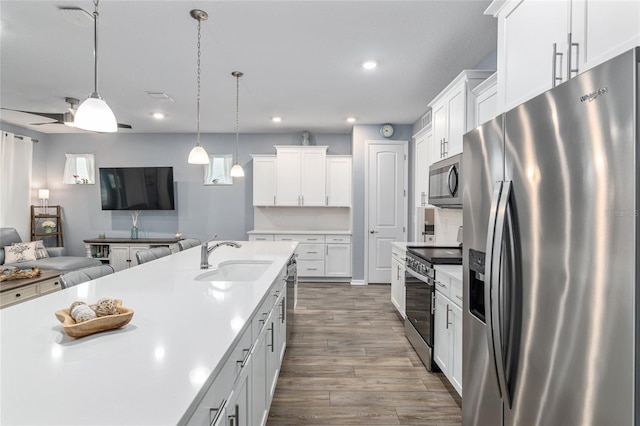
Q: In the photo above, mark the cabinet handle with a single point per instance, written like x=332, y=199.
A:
x=18, y=294
x=282, y=310
x=327, y=201
x=271, y=330
x=312, y=269
x=274, y=200
x=570, y=56
x=302, y=197
x=243, y=362
x=327, y=251
x=448, y=323
x=218, y=412
x=398, y=267
x=433, y=303
x=445, y=145
x=554, y=67
x=234, y=419
x=312, y=252
x=459, y=298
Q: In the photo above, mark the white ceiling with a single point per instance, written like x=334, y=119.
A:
x=301, y=60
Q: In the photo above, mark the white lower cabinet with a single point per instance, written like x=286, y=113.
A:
x=319, y=255
x=398, y=262
x=447, y=339
x=242, y=391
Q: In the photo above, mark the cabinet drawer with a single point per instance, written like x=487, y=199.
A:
x=338, y=239
x=18, y=294
x=50, y=285
x=301, y=238
x=399, y=255
x=265, y=308
x=310, y=251
x=310, y=268
x=455, y=290
x=443, y=284
x=261, y=237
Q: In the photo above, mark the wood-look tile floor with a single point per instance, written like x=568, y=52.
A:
x=348, y=363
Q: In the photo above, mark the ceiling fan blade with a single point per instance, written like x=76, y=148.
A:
x=48, y=122
x=52, y=115
x=124, y=126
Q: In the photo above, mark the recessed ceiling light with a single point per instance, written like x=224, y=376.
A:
x=276, y=119
x=351, y=120
x=158, y=115
x=369, y=65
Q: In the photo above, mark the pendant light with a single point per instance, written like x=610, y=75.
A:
x=198, y=155
x=236, y=170
x=94, y=114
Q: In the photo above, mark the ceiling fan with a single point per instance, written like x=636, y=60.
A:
x=65, y=118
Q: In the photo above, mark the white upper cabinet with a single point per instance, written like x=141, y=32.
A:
x=543, y=43
x=339, y=170
x=264, y=180
x=453, y=112
x=486, y=94
x=301, y=176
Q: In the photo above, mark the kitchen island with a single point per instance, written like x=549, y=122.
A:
x=157, y=369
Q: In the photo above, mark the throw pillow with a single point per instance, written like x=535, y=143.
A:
x=41, y=252
x=22, y=252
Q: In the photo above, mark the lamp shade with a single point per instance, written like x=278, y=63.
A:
x=236, y=171
x=95, y=115
x=198, y=155
x=43, y=194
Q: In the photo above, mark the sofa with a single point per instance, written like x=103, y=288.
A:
x=50, y=258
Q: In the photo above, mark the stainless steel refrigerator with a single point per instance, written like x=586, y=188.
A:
x=550, y=256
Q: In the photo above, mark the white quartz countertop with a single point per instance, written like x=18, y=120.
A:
x=147, y=373
x=298, y=232
x=454, y=271
x=404, y=244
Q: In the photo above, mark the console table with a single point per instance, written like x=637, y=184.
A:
x=120, y=253
x=15, y=291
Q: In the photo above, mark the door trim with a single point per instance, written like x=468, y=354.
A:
x=367, y=146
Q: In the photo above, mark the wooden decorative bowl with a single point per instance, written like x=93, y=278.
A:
x=95, y=325
x=18, y=274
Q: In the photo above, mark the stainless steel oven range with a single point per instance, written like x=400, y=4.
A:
x=420, y=296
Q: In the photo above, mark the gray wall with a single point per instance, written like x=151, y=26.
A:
x=201, y=211
x=360, y=134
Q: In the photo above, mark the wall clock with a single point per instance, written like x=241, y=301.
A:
x=386, y=130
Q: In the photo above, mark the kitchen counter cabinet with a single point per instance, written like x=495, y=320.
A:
x=185, y=335
x=398, y=268
x=447, y=351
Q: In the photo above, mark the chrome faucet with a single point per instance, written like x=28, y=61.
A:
x=205, y=250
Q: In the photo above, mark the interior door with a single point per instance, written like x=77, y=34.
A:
x=387, y=206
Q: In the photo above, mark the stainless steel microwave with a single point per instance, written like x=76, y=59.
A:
x=445, y=177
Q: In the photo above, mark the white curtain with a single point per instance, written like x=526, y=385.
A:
x=16, y=157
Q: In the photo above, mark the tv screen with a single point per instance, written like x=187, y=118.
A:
x=137, y=188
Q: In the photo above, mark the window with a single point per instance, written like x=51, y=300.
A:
x=218, y=169
x=79, y=169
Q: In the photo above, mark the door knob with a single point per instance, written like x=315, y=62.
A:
x=373, y=231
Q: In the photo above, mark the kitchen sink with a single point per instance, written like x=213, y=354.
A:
x=236, y=270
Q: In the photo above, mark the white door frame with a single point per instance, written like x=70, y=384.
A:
x=367, y=146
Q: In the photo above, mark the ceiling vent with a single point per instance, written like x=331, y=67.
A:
x=160, y=96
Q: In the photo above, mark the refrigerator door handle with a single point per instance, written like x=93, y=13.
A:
x=497, y=308
x=489, y=282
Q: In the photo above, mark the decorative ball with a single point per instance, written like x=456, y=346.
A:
x=85, y=315
x=82, y=312
x=105, y=306
x=76, y=303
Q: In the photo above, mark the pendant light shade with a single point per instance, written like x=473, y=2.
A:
x=198, y=154
x=94, y=114
x=236, y=170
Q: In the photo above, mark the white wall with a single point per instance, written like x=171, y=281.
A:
x=201, y=211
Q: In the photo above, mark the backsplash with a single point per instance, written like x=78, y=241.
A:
x=447, y=222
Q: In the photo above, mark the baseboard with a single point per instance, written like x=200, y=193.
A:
x=358, y=282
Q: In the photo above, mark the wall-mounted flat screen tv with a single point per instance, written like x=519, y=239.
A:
x=137, y=188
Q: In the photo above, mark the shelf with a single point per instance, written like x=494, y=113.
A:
x=37, y=220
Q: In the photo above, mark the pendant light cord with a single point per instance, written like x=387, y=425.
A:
x=95, y=46
x=198, y=79
x=237, y=112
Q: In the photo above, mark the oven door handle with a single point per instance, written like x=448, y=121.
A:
x=423, y=278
